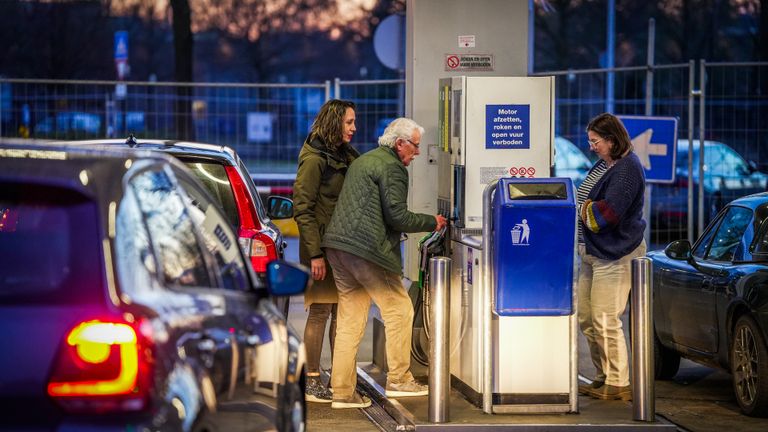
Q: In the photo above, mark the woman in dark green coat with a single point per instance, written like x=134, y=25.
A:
x=323, y=162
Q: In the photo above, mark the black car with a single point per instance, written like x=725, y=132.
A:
x=727, y=176
x=711, y=301
x=127, y=304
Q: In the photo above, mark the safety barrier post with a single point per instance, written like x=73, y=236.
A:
x=643, y=387
x=439, y=317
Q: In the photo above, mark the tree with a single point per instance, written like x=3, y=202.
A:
x=55, y=40
x=568, y=35
x=762, y=54
x=276, y=30
x=182, y=44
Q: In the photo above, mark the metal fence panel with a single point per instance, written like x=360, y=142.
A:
x=265, y=123
x=377, y=103
x=581, y=95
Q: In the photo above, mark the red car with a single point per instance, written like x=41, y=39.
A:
x=225, y=176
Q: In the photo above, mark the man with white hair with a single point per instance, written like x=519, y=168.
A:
x=362, y=244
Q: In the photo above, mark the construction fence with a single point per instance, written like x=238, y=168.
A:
x=723, y=103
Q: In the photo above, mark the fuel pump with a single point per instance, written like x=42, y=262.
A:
x=492, y=128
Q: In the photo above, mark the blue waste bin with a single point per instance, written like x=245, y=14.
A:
x=534, y=235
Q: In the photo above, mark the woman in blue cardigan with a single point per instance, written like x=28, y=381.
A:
x=610, y=236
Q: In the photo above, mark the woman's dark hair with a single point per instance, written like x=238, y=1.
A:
x=609, y=127
x=328, y=125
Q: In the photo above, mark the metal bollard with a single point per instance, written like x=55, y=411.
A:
x=439, y=318
x=643, y=386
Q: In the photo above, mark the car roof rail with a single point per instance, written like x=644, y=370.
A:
x=131, y=140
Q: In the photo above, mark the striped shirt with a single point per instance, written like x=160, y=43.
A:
x=594, y=175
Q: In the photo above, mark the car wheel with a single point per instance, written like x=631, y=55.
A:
x=666, y=361
x=749, y=368
x=292, y=411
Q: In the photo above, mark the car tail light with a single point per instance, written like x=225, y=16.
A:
x=9, y=218
x=103, y=366
x=259, y=247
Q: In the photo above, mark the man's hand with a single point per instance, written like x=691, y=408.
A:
x=441, y=222
x=318, y=268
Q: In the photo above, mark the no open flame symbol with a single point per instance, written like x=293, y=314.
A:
x=523, y=171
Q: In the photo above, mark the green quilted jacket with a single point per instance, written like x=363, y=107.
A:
x=372, y=211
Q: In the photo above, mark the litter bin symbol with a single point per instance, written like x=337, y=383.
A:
x=520, y=233
x=516, y=232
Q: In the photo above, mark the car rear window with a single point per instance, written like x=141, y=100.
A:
x=49, y=246
x=254, y=192
x=214, y=177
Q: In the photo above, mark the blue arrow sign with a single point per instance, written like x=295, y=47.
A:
x=655, y=143
x=121, y=45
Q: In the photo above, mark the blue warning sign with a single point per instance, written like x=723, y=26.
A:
x=507, y=126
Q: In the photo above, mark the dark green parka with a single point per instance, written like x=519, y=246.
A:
x=372, y=211
x=319, y=178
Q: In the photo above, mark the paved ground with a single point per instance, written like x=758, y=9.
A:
x=701, y=399
x=320, y=417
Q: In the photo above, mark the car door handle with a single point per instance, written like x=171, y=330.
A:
x=206, y=345
x=252, y=340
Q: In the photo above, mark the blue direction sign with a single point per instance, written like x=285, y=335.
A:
x=655, y=143
x=121, y=45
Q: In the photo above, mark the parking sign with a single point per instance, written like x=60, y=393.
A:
x=655, y=142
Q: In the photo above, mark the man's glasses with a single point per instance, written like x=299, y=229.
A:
x=414, y=144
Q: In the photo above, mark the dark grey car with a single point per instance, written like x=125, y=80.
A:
x=127, y=304
x=710, y=301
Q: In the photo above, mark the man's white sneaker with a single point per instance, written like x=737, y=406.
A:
x=355, y=401
x=409, y=388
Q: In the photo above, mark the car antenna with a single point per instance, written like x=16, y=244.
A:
x=131, y=141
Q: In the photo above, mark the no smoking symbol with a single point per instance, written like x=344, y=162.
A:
x=452, y=62
x=513, y=171
x=531, y=171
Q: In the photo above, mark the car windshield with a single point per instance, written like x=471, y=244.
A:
x=719, y=159
x=49, y=246
x=214, y=177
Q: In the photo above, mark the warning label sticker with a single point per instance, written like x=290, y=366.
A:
x=489, y=174
x=468, y=62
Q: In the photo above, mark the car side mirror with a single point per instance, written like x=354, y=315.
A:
x=279, y=207
x=679, y=250
x=286, y=279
